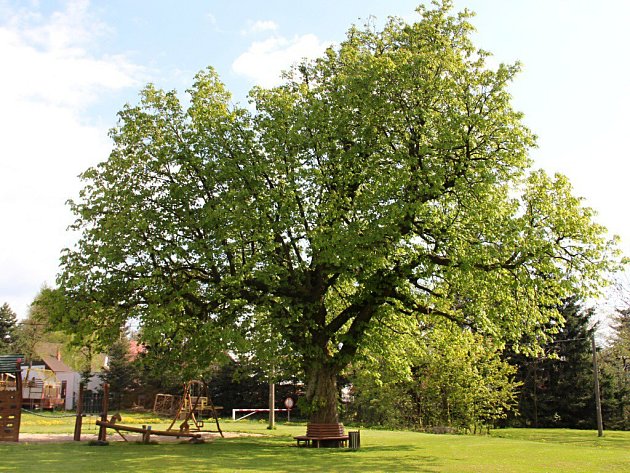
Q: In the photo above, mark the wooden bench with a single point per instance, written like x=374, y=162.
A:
x=330, y=434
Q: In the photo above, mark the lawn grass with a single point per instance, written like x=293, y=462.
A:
x=508, y=450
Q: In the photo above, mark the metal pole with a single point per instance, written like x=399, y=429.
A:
x=598, y=400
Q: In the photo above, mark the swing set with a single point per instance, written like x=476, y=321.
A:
x=193, y=404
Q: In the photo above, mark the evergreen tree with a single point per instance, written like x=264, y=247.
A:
x=8, y=325
x=557, y=387
x=120, y=374
x=616, y=374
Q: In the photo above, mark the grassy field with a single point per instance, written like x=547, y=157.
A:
x=509, y=450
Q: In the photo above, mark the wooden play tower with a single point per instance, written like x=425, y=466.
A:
x=10, y=397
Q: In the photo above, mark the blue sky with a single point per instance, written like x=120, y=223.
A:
x=69, y=66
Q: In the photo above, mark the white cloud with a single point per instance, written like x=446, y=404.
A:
x=50, y=78
x=48, y=60
x=263, y=62
x=259, y=26
x=264, y=25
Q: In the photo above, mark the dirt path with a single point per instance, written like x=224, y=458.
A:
x=114, y=437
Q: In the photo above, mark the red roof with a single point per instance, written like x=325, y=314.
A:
x=135, y=349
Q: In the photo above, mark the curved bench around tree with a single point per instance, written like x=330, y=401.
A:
x=323, y=435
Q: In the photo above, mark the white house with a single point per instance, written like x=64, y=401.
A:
x=50, y=383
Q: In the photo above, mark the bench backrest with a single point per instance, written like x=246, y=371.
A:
x=324, y=430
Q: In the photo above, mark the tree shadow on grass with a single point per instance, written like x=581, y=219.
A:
x=269, y=454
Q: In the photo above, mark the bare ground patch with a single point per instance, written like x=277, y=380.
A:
x=114, y=437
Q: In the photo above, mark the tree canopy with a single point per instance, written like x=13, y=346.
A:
x=388, y=178
x=432, y=377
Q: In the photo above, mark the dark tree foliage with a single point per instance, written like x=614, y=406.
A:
x=557, y=387
x=615, y=380
x=121, y=373
x=157, y=375
x=234, y=386
x=231, y=384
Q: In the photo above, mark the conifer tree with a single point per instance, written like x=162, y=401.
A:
x=8, y=324
x=616, y=374
x=557, y=386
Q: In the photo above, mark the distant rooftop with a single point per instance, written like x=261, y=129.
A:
x=56, y=365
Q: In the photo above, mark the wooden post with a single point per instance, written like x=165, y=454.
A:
x=18, y=398
x=272, y=404
x=146, y=435
x=102, y=433
x=598, y=400
x=79, y=421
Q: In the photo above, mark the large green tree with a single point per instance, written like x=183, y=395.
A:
x=388, y=177
x=38, y=335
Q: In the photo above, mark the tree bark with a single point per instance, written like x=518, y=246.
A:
x=321, y=394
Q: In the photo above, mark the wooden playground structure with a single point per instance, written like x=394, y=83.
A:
x=190, y=406
x=10, y=397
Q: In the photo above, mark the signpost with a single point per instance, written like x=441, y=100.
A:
x=288, y=403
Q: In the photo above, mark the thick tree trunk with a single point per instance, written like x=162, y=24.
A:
x=321, y=393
